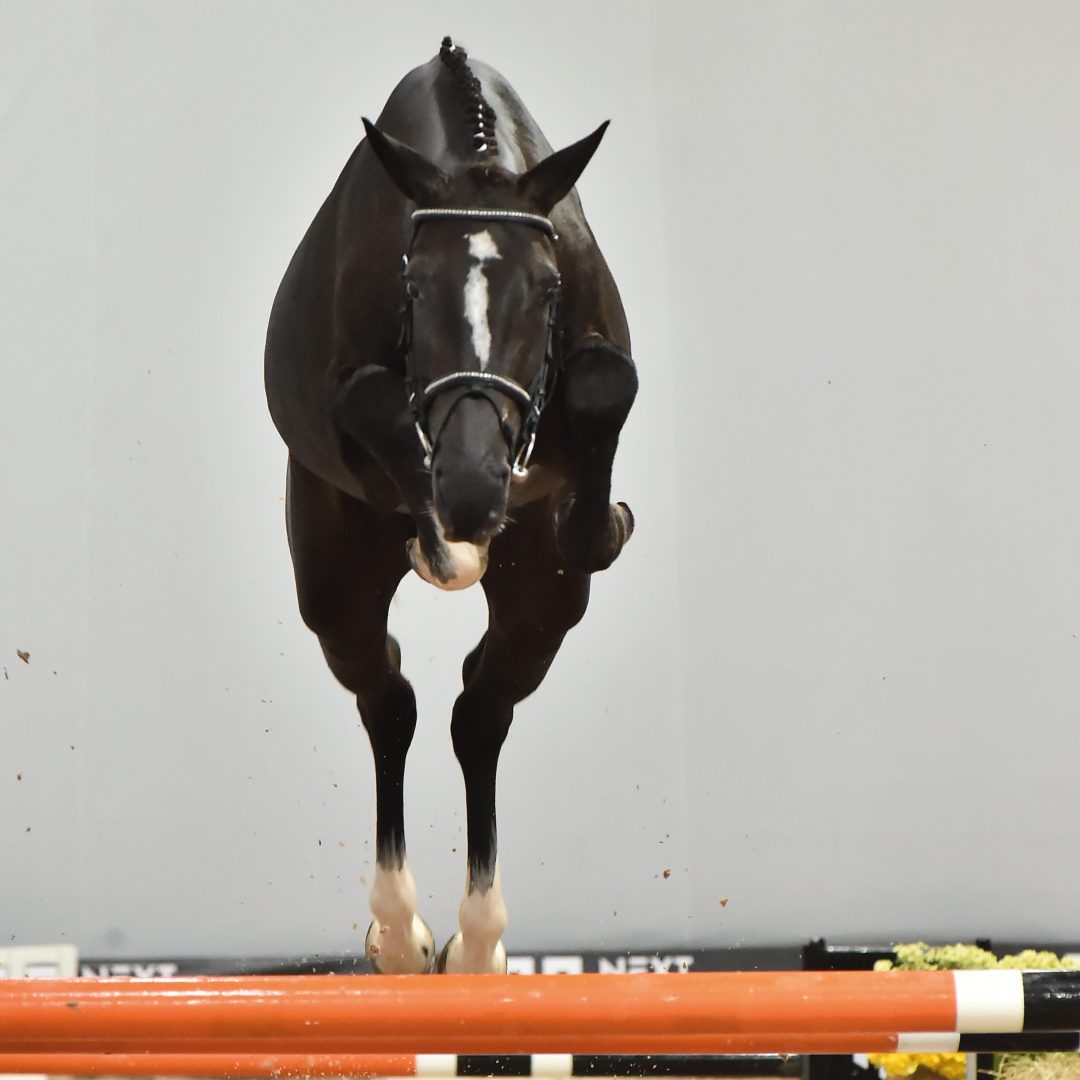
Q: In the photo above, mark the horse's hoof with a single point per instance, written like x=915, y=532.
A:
x=597, y=550
x=451, y=960
x=401, y=963
x=444, y=952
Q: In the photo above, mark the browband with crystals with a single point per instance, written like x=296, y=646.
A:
x=519, y=217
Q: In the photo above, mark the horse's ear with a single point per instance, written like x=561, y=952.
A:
x=549, y=182
x=413, y=175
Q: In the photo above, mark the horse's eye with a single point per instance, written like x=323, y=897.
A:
x=412, y=289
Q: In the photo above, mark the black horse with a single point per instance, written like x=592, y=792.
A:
x=449, y=364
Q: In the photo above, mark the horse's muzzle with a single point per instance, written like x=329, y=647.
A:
x=470, y=502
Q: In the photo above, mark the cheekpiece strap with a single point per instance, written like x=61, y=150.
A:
x=519, y=217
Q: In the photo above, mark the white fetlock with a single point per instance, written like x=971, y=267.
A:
x=478, y=948
x=396, y=952
x=472, y=958
x=398, y=941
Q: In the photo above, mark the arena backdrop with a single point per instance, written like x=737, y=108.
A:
x=830, y=688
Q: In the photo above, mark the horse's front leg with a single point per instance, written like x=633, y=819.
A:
x=348, y=560
x=398, y=941
x=596, y=389
x=533, y=599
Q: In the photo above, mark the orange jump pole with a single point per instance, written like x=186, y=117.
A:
x=226, y=1066
x=464, y=1014
x=785, y=1050
x=257, y=1066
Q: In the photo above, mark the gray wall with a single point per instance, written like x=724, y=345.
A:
x=834, y=679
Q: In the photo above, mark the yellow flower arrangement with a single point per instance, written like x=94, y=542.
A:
x=919, y=956
x=949, y=1066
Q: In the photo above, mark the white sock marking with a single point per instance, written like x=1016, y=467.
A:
x=482, y=248
x=478, y=948
x=482, y=918
x=398, y=937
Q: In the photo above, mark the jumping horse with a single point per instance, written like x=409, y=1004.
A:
x=448, y=363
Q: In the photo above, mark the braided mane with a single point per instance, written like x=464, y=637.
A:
x=479, y=115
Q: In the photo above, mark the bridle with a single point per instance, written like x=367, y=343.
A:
x=530, y=401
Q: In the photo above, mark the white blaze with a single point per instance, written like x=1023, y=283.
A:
x=482, y=248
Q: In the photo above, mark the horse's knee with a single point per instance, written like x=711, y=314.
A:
x=368, y=664
x=468, y=666
x=479, y=726
x=388, y=714
x=353, y=636
x=600, y=384
x=371, y=405
x=362, y=663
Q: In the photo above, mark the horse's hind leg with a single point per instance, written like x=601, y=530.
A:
x=532, y=600
x=348, y=560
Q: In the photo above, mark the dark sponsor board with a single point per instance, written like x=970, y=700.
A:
x=609, y=962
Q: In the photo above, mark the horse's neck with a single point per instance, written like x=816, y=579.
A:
x=428, y=111
x=520, y=142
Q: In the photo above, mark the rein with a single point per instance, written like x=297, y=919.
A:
x=531, y=401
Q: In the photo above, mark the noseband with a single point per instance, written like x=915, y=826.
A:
x=530, y=402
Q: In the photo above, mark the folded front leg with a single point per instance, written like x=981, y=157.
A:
x=596, y=389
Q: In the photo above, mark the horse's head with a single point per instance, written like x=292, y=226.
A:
x=481, y=282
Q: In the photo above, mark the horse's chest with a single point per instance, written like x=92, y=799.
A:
x=541, y=482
